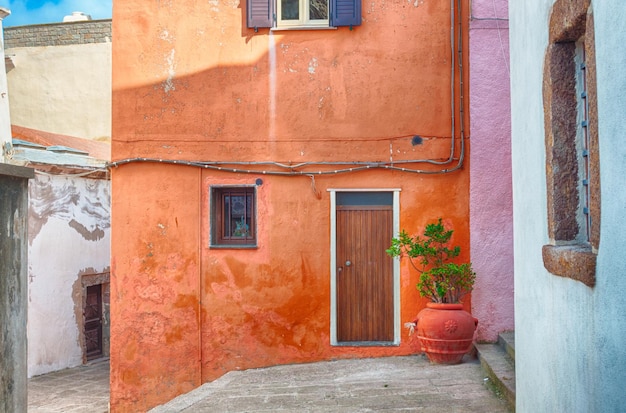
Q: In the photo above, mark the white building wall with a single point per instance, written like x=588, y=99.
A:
x=62, y=89
x=69, y=235
x=570, y=353
x=609, y=301
x=5, y=116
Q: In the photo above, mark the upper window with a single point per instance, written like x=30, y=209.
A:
x=233, y=216
x=303, y=14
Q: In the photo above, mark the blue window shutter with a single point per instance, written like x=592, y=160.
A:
x=260, y=13
x=346, y=13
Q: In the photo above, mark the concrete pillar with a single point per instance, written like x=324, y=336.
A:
x=13, y=286
x=5, y=116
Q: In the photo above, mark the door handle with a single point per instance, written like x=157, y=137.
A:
x=347, y=264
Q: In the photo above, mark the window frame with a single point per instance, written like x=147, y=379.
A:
x=263, y=14
x=218, y=194
x=304, y=21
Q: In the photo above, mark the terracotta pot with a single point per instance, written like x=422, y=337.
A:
x=446, y=332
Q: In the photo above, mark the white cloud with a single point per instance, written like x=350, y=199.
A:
x=23, y=13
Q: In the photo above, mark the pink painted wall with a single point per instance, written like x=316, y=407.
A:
x=491, y=213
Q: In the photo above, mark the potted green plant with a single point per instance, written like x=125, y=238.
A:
x=444, y=329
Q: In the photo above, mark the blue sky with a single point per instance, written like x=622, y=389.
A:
x=24, y=12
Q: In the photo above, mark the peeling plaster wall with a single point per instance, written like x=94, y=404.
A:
x=62, y=89
x=191, y=82
x=569, y=337
x=491, y=209
x=69, y=237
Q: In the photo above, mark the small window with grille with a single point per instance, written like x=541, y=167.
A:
x=571, y=137
x=233, y=216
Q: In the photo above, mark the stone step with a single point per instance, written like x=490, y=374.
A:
x=506, y=339
x=498, y=362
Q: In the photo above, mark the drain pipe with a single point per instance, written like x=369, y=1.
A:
x=461, y=85
x=454, y=59
x=452, y=79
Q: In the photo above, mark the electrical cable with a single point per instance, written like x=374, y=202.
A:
x=223, y=166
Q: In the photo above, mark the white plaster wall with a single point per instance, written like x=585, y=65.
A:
x=609, y=301
x=5, y=117
x=62, y=89
x=58, y=253
x=570, y=354
x=491, y=210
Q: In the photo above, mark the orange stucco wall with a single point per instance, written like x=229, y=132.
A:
x=192, y=83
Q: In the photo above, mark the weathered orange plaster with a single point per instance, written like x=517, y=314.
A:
x=191, y=82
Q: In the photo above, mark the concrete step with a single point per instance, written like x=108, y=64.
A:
x=498, y=362
x=506, y=339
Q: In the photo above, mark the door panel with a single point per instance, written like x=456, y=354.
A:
x=365, y=299
x=93, y=322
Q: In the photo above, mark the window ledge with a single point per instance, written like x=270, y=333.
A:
x=286, y=28
x=365, y=344
x=234, y=246
x=577, y=262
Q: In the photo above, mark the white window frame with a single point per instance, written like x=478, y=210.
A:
x=304, y=21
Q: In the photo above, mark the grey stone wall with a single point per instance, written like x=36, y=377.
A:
x=13, y=286
x=58, y=34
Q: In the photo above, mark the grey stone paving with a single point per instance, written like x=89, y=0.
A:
x=390, y=384
x=359, y=385
x=83, y=389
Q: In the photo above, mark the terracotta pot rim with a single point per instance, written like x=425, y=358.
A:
x=444, y=306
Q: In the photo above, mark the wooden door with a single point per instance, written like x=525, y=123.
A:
x=365, y=299
x=93, y=322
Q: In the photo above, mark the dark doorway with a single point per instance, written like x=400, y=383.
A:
x=93, y=322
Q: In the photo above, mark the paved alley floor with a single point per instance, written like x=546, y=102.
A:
x=83, y=389
x=391, y=384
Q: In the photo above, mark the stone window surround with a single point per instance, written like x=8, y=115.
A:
x=565, y=256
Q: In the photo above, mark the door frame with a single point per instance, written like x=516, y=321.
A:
x=333, y=267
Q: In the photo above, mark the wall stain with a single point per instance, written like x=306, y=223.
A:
x=84, y=204
x=95, y=235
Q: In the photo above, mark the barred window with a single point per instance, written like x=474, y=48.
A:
x=233, y=216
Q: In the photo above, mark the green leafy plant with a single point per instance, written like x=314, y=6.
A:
x=441, y=279
x=241, y=228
